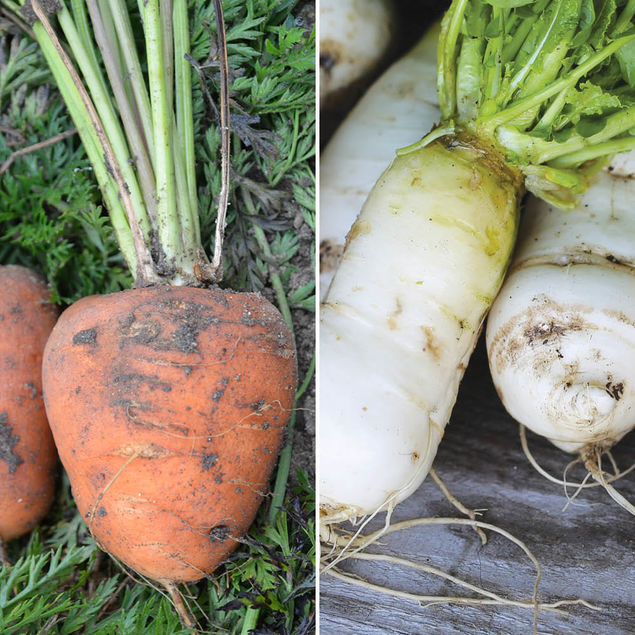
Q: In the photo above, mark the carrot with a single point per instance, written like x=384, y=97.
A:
x=168, y=407
x=28, y=460
x=168, y=402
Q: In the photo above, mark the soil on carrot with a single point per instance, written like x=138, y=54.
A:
x=8, y=442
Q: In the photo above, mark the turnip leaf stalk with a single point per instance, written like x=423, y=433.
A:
x=534, y=95
x=549, y=82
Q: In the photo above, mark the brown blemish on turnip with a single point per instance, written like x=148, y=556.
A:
x=430, y=344
x=615, y=390
x=544, y=323
x=475, y=180
x=331, y=54
x=392, y=318
x=544, y=330
x=8, y=441
x=359, y=228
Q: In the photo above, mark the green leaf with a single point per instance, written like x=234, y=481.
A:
x=508, y=4
x=494, y=28
x=587, y=17
x=588, y=126
x=605, y=18
x=626, y=59
x=588, y=99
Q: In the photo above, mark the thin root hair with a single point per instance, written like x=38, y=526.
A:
x=470, y=513
x=591, y=457
x=430, y=600
x=103, y=492
x=593, y=462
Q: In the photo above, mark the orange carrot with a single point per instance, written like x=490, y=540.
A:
x=28, y=460
x=168, y=406
x=167, y=402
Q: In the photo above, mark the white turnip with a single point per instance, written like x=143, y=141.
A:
x=561, y=334
x=392, y=112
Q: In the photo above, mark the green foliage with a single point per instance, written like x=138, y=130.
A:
x=52, y=219
x=50, y=214
x=61, y=584
x=551, y=83
x=271, y=57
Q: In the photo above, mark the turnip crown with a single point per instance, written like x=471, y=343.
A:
x=550, y=82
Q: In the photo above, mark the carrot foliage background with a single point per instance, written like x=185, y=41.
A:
x=51, y=219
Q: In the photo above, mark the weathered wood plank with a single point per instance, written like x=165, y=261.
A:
x=587, y=551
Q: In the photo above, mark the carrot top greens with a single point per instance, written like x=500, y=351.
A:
x=136, y=127
x=549, y=82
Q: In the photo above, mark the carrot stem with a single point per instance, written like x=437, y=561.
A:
x=217, y=257
x=113, y=136
x=78, y=8
x=183, y=97
x=167, y=42
x=167, y=214
x=91, y=143
x=14, y=7
x=140, y=138
x=133, y=70
x=112, y=63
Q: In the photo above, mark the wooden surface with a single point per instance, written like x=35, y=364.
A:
x=587, y=551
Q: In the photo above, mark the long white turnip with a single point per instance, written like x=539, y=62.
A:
x=354, y=36
x=392, y=113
